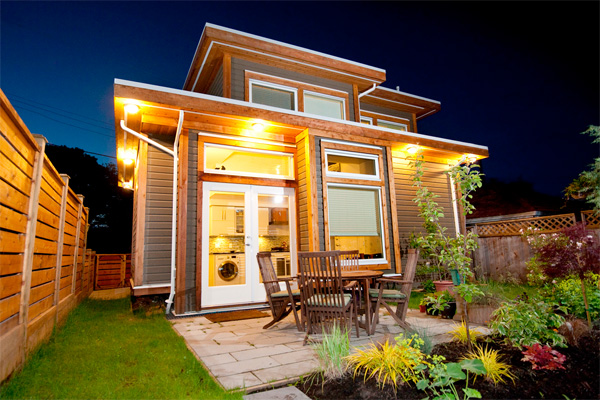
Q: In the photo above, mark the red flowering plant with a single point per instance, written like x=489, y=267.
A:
x=543, y=357
x=573, y=251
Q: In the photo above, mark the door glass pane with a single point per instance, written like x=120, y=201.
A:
x=226, y=239
x=274, y=230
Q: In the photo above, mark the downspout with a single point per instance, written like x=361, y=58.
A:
x=173, y=153
x=367, y=91
x=454, y=201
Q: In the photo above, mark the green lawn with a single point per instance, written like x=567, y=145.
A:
x=105, y=352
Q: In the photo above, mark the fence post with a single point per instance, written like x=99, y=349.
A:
x=61, y=239
x=123, y=268
x=76, y=249
x=32, y=212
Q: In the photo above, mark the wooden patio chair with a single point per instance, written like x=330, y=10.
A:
x=281, y=302
x=349, y=262
x=381, y=295
x=323, y=299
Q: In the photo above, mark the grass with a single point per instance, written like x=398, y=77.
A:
x=105, y=352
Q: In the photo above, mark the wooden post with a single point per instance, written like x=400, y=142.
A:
x=122, y=268
x=76, y=249
x=227, y=75
x=61, y=239
x=182, y=189
x=32, y=212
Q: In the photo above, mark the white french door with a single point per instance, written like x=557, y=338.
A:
x=238, y=221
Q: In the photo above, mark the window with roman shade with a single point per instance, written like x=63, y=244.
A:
x=326, y=106
x=273, y=95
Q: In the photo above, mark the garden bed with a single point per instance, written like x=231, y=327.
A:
x=580, y=378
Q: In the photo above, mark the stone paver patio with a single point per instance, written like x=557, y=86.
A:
x=240, y=354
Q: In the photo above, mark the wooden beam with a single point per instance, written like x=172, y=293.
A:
x=61, y=239
x=394, y=211
x=140, y=210
x=356, y=103
x=227, y=75
x=76, y=249
x=182, y=207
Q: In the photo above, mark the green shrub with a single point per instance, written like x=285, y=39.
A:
x=567, y=292
x=523, y=323
x=332, y=350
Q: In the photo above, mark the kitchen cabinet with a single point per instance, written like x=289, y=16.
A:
x=226, y=220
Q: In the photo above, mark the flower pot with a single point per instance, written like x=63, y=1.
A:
x=440, y=286
x=449, y=311
x=422, y=308
x=430, y=310
x=480, y=314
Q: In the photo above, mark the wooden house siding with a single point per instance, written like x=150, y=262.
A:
x=239, y=66
x=408, y=214
x=157, y=235
x=390, y=227
x=303, y=179
x=216, y=87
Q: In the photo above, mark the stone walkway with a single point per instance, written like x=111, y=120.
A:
x=240, y=354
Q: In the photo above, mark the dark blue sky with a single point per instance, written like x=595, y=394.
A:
x=521, y=78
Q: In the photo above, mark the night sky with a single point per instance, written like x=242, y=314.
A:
x=521, y=78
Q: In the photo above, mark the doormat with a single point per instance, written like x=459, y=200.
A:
x=235, y=315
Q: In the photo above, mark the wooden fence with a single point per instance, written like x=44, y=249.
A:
x=45, y=269
x=503, y=251
x=112, y=271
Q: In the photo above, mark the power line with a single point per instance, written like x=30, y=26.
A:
x=98, y=154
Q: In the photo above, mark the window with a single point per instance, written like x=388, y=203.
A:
x=366, y=120
x=355, y=219
x=324, y=105
x=231, y=160
x=392, y=125
x=351, y=165
x=271, y=94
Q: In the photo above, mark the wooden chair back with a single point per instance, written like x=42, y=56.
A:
x=349, y=260
x=267, y=271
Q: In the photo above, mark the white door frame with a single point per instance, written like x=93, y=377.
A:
x=252, y=291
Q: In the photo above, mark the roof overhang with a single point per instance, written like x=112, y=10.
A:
x=217, y=41
x=397, y=100
x=159, y=110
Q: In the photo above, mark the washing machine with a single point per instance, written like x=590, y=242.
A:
x=230, y=269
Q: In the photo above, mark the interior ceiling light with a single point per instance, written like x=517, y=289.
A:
x=131, y=108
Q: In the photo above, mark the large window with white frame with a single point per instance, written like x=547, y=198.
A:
x=392, y=125
x=355, y=220
x=355, y=200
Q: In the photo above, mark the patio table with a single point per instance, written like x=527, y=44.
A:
x=364, y=276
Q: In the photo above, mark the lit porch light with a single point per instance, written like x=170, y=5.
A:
x=471, y=158
x=127, y=185
x=412, y=149
x=131, y=108
x=128, y=156
x=258, y=126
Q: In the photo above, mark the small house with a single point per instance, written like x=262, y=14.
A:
x=270, y=147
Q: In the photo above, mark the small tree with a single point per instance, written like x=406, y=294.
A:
x=574, y=251
x=587, y=184
x=451, y=251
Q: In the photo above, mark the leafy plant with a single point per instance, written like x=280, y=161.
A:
x=543, y=357
x=428, y=286
x=587, y=184
x=496, y=370
x=331, y=352
x=441, y=378
x=389, y=363
x=573, y=251
x=441, y=301
x=568, y=293
x=524, y=323
x=459, y=334
x=450, y=251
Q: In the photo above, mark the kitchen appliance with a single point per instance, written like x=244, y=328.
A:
x=230, y=269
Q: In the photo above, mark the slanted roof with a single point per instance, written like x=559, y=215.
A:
x=217, y=41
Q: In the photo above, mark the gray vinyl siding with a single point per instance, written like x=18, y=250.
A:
x=408, y=214
x=216, y=87
x=238, y=66
x=388, y=111
x=159, y=200
x=190, y=272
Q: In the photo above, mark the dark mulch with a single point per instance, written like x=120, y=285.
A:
x=579, y=380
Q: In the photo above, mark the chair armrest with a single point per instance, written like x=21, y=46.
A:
x=350, y=285
x=391, y=280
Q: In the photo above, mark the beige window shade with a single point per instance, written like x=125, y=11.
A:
x=325, y=106
x=353, y=211
x=275, y=97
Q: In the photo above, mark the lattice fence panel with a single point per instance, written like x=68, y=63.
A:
x=516, y=227
x=591, y=219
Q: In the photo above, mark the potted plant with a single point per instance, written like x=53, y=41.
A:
x=430, y=302
x=445, y=305
x=423, y=305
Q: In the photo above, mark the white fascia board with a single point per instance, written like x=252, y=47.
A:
x=186, y=93
x=249, y=35
x=406, y=94
x=195, y=52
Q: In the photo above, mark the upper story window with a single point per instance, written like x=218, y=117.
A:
x=392, y=125
x=296, y=96
x=271, y=94
x=384, y=120
x=325, y=105
x=351, y=165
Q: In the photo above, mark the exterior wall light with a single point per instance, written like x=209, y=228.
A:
x=131, y=108
x=413, y=149
x=258, y=127
x=127, y=185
